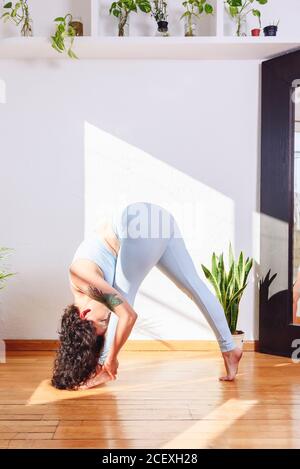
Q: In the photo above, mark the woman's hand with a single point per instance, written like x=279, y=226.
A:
x=101, y=377
x=111, y=366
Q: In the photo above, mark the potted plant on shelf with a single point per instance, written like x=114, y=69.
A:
x=193, y=10
x=229, y=287
x=271, y=29
x=19, y=14
x=159, y=11
x=122, y=10
x=77, y=25
x=4, y=252
x=63, y=38
x=256, y=31
x=238, y=10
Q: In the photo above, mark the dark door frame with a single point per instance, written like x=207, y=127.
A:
x=276, y=331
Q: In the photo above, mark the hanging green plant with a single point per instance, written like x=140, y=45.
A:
x=19, y=14
x=63, y=39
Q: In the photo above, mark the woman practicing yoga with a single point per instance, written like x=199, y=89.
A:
x=105, y=274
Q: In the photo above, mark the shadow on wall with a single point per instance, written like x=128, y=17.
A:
x=271, y=318
x=118, y=173
x=150, y=326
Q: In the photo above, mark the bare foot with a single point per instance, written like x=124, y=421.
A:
x=231, y=361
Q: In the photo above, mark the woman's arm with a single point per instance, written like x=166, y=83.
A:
x=109, y=337
x=92, y=284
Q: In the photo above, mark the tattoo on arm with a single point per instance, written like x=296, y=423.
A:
x=111, y=300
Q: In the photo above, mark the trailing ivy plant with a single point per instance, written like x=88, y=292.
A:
x=240, y=9
x=229, y=285
x=123, y=8
x=19, y=14
x=194, y=9
x=63, y=39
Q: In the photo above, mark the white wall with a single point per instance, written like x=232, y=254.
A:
x=188, y=129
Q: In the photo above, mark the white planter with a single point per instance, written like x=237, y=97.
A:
x=239, y=338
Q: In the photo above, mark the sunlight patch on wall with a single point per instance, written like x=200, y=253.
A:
x=117, y=173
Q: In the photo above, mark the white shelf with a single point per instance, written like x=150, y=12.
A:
x=176, y=48
x=99, y=42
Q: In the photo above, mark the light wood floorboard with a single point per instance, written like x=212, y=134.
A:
x=161, y=399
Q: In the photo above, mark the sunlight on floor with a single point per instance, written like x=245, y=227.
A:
x=168, y=404
x=46, y=394
x=282, y=364
x=191, y=437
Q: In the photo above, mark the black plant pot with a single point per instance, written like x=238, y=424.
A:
x=270, y=30
x=162, y=26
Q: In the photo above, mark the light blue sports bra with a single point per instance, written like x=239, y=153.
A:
x=93, y=249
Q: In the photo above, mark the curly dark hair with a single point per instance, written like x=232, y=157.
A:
x=77, y=357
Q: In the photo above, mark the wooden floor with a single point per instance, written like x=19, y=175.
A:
x=160, y=400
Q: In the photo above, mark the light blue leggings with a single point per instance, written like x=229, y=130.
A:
x=149, y=236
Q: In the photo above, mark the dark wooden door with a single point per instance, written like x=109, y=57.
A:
x=277, y=333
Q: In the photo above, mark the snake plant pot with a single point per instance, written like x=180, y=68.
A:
x=238, y=338
x=271, y=30
x=255, y=32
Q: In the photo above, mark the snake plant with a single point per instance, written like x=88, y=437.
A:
x=229, y=285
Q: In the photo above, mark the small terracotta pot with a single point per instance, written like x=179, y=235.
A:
x=255, y=32
x=78, y=27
